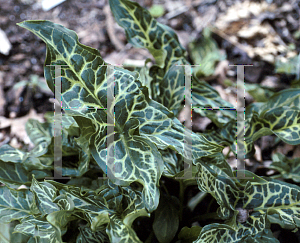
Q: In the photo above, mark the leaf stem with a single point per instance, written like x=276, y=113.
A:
x=181, y=197
x=165, y=188
x=209, y=205
x=276, y=176
x=227, y=155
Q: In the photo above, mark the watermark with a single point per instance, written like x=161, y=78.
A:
x=110, y=165
x=240, y=121
x=240, y=138
x=57, y=126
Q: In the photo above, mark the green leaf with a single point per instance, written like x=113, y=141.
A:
x=45, y=194
x=39, y=132
x=289, y=168
x=290, y=67
x=166, y=219
x=86, y=235
x=60, y=219
x=172, y=88
x=142, y=30
x=119, y=232
x=189, y=235
x=16, y=177
x=258, y=92
x=15, y=205
x=205, y=52
x=40, y=231
x=205, y=97
x=10, y=154
x=189, y=181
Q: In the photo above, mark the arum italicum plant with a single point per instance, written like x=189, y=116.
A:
x=148, y=145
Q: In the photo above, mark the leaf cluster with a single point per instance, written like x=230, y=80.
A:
x=149, y=145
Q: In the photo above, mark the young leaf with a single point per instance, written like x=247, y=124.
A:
x=119, y=232
x=142, y=30
x=189, y=235
x=110, y=205
x=205, y=52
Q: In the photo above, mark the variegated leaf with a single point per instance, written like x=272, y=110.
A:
x=280, y=115
x=86, y=235
x=282, y=121
x=13, y=175
x=71, y=145
x=215, y=233
x=44, y=194
x=278, y=199
x=40, y=231
x=172, y=88
x=119, y=232
x=289, y=168
x=143, y=31
x=112, y=205
x=246, y=205
x=205, y=97
x=92, y=206
x=10, y=154
x=15, y=205
x=173, y=162
x=167, y=86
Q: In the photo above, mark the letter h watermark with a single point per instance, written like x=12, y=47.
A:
x=58, y=107
x=240, y=138
x=188, y=158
